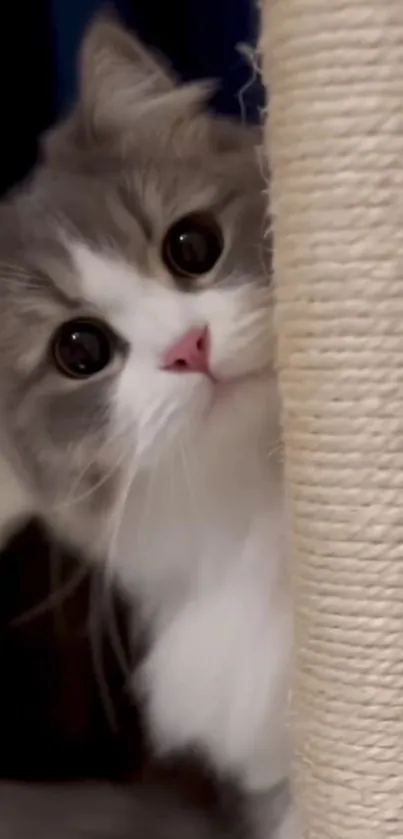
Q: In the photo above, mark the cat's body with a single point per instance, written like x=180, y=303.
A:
x=155, y=443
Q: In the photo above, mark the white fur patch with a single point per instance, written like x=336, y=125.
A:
x=216, y=677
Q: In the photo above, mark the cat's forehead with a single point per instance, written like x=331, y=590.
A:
x=117, y=214
x=116, y=206
x=119, y=207
x=122, y=211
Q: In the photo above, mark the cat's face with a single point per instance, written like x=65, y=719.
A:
x=144, y=227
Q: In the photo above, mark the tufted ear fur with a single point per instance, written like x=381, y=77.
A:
x=128, y=99
x=121, y=81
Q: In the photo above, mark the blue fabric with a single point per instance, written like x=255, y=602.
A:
x=202, y=44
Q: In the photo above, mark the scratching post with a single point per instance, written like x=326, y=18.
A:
x=335, y=146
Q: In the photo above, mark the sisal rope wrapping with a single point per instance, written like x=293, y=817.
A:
x=335, y=145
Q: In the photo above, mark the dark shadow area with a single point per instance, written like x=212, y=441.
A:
x=65, y=708
x=61, y=717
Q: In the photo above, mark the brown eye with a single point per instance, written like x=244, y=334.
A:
x=192, y=246
x=81, y=348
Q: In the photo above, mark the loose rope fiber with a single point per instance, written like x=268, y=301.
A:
x=335, y=146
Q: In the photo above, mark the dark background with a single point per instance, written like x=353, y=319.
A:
x=58, y=720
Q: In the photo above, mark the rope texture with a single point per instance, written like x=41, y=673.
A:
x=335, y=145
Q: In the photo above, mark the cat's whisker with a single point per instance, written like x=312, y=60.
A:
x=117, y=516
x=262, y=250
x=147, y=505
x=108, y=575
x=276, y=449
x=72, y=499
x=106, y=586
x=112, y=627
x=79, y=478
x=252, y=319
x=96, y=637
x=156, y=421
x=55, y=598
x=195, y=506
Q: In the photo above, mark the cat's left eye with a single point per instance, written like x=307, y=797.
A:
x=192, y=246
x=82, y=347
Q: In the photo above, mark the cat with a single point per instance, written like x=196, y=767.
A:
x=138, y=396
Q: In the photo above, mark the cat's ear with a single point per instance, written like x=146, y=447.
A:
x=121, y=80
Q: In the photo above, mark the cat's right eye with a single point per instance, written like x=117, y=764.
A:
x=192, y=246
x=82, y=348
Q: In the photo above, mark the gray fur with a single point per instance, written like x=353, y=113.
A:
x=137, y=153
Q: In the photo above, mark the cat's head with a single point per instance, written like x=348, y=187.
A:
x=134, y=285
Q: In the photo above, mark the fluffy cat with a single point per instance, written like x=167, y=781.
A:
x=138, y=397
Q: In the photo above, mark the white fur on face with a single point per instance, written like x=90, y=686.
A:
x=161, y=406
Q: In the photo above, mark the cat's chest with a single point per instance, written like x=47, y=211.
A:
x=216, y=673
x=178, y=533
x=208, y=568
x=216, y=678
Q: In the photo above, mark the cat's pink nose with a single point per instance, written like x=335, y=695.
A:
x=190, y=354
